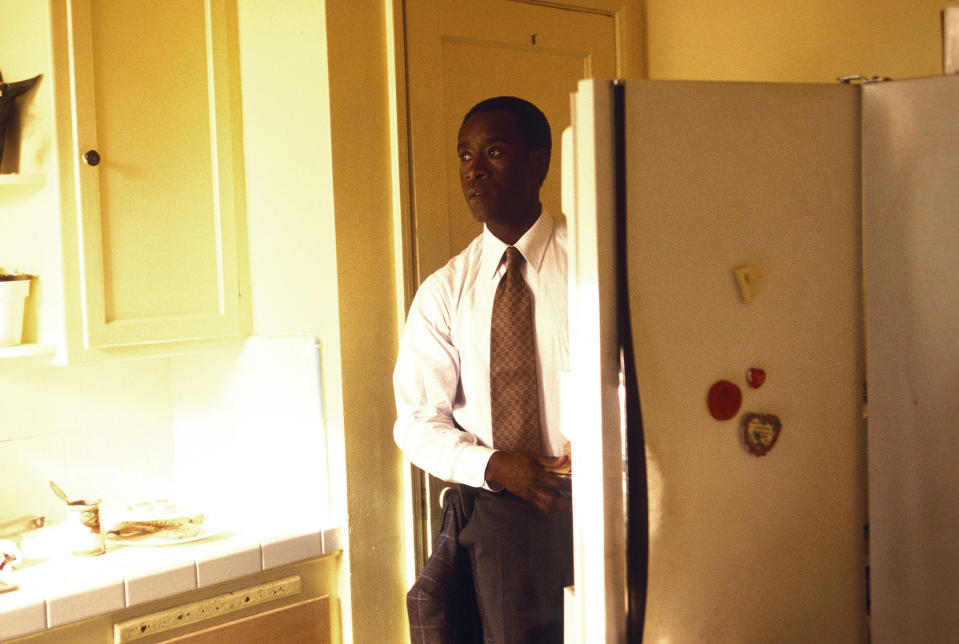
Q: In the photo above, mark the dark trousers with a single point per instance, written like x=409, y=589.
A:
x=441, y=605
x=521, y=560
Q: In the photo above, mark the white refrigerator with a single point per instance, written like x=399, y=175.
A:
x=744, y=258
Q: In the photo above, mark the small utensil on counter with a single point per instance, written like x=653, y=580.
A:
x=15, y=528
x=10, y=555
x=60, y=493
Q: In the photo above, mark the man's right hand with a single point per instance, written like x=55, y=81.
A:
x=525, y=476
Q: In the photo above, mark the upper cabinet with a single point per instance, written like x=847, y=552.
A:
x=153, y=159
x=147, y=160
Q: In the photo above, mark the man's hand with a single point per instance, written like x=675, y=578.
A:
x=525, y=476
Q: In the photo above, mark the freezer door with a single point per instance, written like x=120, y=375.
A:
x=911, y=233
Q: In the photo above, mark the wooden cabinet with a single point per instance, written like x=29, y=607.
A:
x=145, y=186
x=312, y=614
x=154, y=164
x=153, y=154
x=307, y=622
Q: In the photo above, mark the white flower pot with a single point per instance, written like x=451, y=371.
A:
x=13, y=296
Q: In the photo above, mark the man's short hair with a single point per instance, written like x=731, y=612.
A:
x=530, y=121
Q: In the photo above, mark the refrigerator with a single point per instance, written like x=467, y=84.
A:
x=764, y=361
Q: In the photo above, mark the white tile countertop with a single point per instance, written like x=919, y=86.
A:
x=66, y=588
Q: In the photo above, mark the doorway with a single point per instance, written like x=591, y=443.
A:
x=457, y=54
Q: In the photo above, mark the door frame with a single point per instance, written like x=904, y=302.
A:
x=630, y=57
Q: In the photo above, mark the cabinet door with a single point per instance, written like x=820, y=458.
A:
x=307, y=622
x=154, y=159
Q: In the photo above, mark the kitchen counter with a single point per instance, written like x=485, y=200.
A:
x=65, y=589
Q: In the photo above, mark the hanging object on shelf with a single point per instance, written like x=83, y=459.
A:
x=9, y=92
x=760, y=432
x=14, y=289
x=724, y=399
x=748, y=279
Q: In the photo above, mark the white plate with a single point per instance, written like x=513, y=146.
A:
x=167, y=537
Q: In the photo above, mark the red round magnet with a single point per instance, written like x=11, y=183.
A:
x=724, y=400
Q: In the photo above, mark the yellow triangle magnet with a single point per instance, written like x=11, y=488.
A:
x=748, y=278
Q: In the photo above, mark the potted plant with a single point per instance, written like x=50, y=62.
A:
x=14, y=289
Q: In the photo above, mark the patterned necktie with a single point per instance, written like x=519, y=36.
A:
x=512, y=363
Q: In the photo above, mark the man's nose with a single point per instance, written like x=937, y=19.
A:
x=475, y=169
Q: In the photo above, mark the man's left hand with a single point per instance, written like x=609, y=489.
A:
x=526, y=476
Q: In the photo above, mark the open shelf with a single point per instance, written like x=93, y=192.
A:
x=28, y=350
x=32, y=180
x=20, y=186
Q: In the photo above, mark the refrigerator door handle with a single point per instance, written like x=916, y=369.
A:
x=637, y=500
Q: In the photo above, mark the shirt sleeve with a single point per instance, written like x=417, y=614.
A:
x=425, y=382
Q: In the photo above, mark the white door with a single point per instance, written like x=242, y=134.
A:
x=460, y=53
x=911, y=232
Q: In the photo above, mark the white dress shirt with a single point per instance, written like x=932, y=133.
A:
x=441, y=379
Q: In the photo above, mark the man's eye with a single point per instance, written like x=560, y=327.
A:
x=495, y=153
x=465, y=156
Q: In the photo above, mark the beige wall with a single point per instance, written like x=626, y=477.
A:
x=783, y=40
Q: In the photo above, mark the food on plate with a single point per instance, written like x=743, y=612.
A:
x=151, y=517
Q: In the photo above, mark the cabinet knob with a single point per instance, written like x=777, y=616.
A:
x=92, y=157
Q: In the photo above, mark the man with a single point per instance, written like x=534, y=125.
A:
x=461, y=377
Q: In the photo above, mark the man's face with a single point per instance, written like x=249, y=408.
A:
x=499, y=175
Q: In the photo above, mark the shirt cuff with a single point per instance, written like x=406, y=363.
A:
x=473, y=462
x=493, y=488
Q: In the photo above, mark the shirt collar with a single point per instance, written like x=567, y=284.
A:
x=532, y=245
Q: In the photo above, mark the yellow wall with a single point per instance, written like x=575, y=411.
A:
x=784, y=40
x=319, y=207
x=362, y=194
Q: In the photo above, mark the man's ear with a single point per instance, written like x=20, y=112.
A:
x=539, y=163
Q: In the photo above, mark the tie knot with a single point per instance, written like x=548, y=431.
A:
x=514, y=258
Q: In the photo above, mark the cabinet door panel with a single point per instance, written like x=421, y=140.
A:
x=157, y=212
x=307, y=622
